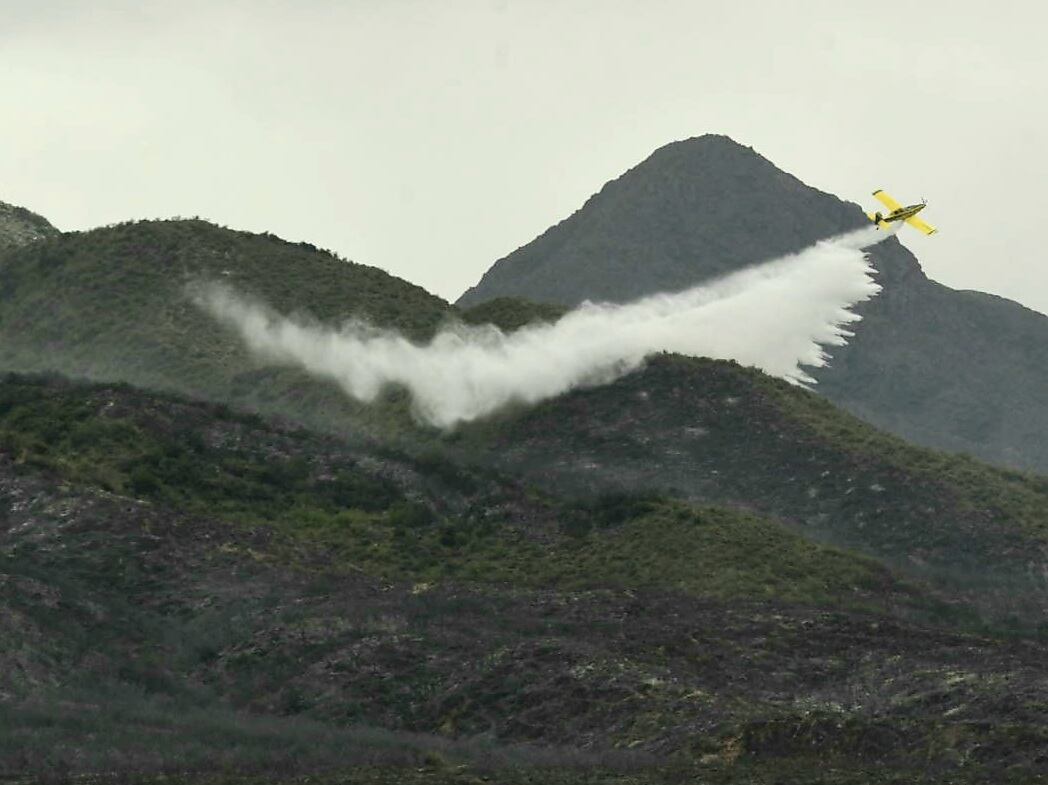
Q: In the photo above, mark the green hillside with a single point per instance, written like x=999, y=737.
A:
x=437, y=524
x=185, y=589
x=713, y=432
x=111, y=304
x=512, y=313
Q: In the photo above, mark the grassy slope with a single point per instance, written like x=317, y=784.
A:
x=715, y=432
x=111, y=304
x=244, y=567
x=945, y=509
x=439, y=527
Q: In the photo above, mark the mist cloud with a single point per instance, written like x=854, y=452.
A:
x=777, y=316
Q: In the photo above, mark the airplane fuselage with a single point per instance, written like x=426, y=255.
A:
x=902, y=213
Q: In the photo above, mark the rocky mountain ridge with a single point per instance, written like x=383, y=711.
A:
x=955, y=370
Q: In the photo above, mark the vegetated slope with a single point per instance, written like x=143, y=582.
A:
x=409, y=517
x=714, y=432
x=182, y=586
x=512, y=313
x=111, y=304
x=956, y=370
x=19, y=226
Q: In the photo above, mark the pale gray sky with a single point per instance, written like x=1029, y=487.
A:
x=431, y=138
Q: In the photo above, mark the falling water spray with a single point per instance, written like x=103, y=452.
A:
x=780, y=316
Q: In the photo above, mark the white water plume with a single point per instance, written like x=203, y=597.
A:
x=776, y=316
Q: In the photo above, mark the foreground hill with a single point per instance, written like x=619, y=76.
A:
x=961, y=371
x=182, y=589
x=713, y=432
x=112, y=304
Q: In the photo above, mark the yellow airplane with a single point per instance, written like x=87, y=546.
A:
x=899, y=213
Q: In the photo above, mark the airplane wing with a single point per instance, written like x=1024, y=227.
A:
x=886, y=200
x=921, y=226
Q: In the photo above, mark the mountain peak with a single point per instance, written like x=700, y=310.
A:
x=708, y=144
x=694, y=209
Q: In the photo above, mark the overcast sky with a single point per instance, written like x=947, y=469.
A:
x=431, y=138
